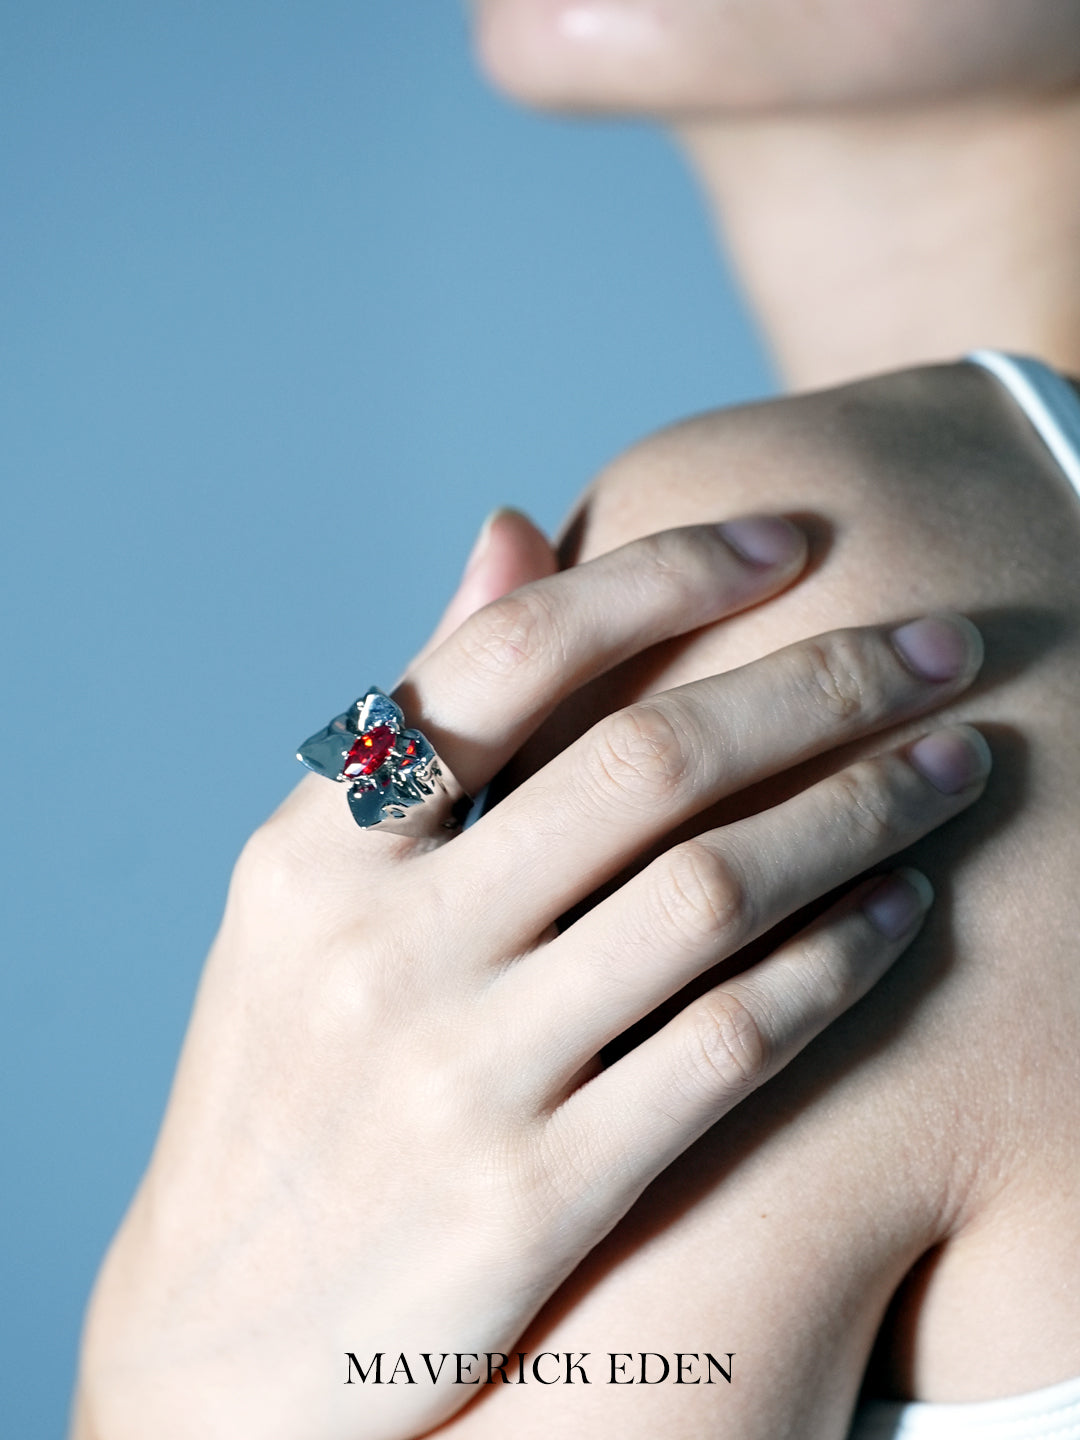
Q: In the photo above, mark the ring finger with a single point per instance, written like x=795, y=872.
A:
x=641, y=772
x=706, y=898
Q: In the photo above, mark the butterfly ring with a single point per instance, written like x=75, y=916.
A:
x=396, y=780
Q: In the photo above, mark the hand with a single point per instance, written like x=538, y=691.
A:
x=389, y=1131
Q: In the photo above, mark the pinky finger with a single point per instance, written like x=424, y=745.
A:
x=636, y=1117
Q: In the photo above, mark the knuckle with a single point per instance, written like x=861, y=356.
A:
x=340, y=1002
x=677, y=568
x=702, y=896
x=729, y=1050
x=840, y=678
x=639, y=754
x=670, y=558
x=829, y=973
x=517, y=632
x=271, y=865
x=355, y=983
x=863, y=795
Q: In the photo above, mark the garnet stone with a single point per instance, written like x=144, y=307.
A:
x=368, y=752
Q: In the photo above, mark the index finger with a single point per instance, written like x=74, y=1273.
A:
x=481, y=694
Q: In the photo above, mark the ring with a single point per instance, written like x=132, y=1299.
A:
x=390, y=771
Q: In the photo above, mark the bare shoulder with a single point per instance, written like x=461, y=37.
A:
x=917, y=1166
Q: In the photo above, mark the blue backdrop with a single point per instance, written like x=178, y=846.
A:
x=284, y=290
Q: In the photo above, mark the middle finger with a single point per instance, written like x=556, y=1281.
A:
x=644, y=770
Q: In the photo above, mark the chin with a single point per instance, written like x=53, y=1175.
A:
x=570, y=54
x=633, y=57
x=689, y=58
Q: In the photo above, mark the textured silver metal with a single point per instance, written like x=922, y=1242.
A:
x=411, y=792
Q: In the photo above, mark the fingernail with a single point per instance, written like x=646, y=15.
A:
x=900, y=901
x=476, y=554
x=765, y=540
x=939, y=647
x=952, y=759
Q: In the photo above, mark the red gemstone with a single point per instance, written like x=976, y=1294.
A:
x=369, y=751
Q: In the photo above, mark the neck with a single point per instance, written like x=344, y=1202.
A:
x=876, y=242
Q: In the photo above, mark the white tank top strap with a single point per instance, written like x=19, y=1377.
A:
x=1046, y=398
x=1051, y=1414
x=1041, y=1414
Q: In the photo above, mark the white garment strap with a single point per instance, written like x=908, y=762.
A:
x=1051, y=1414
x=1046, y=398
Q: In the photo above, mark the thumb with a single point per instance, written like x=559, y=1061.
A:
x=509, y=551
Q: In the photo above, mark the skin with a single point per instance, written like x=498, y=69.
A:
x=695, y=57
x=389, y=1130
x=896, y=181
x=923, y=1155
